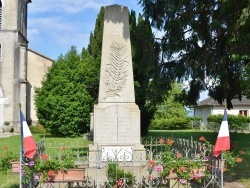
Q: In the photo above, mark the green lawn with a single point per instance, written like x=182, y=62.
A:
x=241, y=172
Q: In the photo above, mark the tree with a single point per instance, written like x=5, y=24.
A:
x=63, y=104
x=171, y=114
x=205, y=42
x=145, y=67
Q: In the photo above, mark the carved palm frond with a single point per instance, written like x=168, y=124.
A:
x=116, y=72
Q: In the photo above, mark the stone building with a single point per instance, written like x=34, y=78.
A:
x=21, y=69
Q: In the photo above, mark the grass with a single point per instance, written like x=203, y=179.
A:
x=239, y=173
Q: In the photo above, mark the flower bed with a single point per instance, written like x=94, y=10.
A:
x=45, y=168
x=175, y=165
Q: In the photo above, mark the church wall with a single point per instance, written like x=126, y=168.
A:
x=37, y=67
x=7, y=73
x=10, y=15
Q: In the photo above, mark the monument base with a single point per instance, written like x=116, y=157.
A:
x=128, y=157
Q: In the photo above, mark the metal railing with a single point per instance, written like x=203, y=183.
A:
x=134, y=173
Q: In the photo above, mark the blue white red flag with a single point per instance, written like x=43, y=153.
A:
x=223, y=139
x=29, y=144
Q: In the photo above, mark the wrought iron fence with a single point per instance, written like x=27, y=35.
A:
x=133, y=173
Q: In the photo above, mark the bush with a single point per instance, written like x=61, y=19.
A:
x=63, y=103
x=236, y=122
x=6, y=157
x=174, y=123
x=117, y=175
x=37, y=129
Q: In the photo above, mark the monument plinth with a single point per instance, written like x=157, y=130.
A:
x=116, y=118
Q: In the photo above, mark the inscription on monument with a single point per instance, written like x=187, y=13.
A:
x=119, y=125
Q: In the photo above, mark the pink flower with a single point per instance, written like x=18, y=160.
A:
x=183, y=181
x=31, y=163
x=158, y=168
x=161, y=141
x=149, y=177
x=179, y=155
x=202, y=138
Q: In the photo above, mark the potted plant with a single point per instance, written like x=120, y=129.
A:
x=50, y=169
x=7, y=127
x=6, y=159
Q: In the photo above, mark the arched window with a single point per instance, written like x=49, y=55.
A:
x=1, y=10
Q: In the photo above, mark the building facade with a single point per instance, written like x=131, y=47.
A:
x=15, y=86
x=210, y=106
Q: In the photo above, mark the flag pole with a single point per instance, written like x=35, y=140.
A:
x=221, y=162
x=21, y=148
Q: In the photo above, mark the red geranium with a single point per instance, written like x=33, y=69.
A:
x=169, y=142
x=45, y=157
x=50, y=173
x=238, y=160
x=202, y=138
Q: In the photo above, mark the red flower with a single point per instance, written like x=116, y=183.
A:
x=50, y=173
x=169, y=142
x=149, y=177
x=202, y=138
x=45, y=157
x=182, y=168
x=195, y=178
x=63, y=148
x=6, y=147
x=119, y=183
x=161, y=141
x=179, y=155
x=239, y=160
x=152, y=162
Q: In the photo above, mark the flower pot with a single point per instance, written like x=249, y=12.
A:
x=200, y=172
x=7, y=128
x=76, y=174
x=172, y=174
x=15, y=167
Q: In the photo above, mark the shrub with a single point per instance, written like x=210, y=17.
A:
x=170, y=123
x=37, y=129
x=236, y=122
x=117, y=175
x=6, y=157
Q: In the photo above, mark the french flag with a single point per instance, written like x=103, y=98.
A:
x=223, y=139
x=29, y=144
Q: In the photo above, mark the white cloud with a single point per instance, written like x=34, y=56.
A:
x=55, y=25
x=66, y=6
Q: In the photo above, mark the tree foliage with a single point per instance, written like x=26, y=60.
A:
x=63, y=103
x=205, y=42
x=145, y=67
x=171, y=114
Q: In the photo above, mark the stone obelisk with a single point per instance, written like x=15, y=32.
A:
x=116, y=118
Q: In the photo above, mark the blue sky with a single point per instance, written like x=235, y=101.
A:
x=55, y=25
